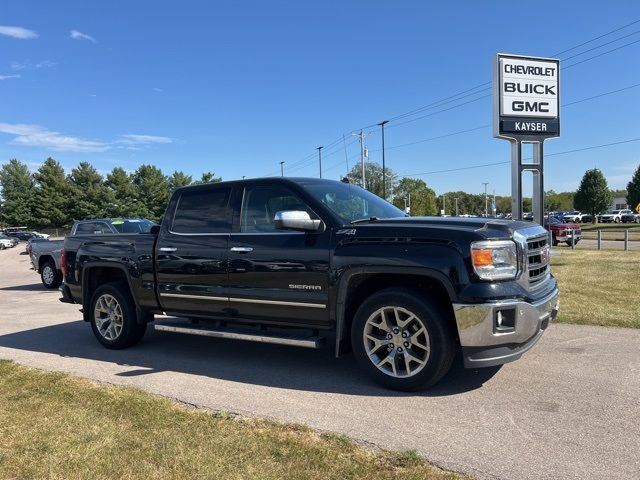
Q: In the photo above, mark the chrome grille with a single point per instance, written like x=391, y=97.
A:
x=537, y=259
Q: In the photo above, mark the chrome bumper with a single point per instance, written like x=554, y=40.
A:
x=484, y=343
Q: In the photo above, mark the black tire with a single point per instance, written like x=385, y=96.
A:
x=568, y=242
x=554, y=241
x=2, y=247
x=617, y=220
x=441, y=339
x=51, y=277
x=131, y=332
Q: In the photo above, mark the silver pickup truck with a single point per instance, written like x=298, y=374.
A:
x=45, y=255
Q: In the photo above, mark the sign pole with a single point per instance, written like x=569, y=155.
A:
x=516, y=180
x=538, y=183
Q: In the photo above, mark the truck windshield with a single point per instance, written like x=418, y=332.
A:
x=351, y=202
x=136, y=225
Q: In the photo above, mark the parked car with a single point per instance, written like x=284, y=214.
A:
x=614, y=216
x=562, y=232
x=630, y=217
x=7, y=242
x=298, y=261
x=21, y=236
x=576, y=217
x=45, y=256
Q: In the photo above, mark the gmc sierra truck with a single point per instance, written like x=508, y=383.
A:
x=300, y=261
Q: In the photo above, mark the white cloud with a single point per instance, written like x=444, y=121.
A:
x=156, y=89
x=132, y=139
x=16, y=66
x=6, y=77
x=38, y=136
x=17, y=32
x=76, y=35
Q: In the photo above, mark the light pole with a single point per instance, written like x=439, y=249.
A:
x=384, y=170
x=485, y=198
x=282, y=169
x=320, y=159
x=456, y=206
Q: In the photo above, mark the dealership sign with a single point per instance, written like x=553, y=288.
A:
x=526, y=97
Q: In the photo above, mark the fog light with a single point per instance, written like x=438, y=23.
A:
x=504, y=320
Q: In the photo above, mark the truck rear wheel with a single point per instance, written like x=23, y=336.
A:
x=50, y=276
x=402, y=339
x=113, y=317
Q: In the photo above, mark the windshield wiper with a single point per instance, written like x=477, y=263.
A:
x=362, y=220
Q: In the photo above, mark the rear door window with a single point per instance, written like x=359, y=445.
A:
x=203, y=211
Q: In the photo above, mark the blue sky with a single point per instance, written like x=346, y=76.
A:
x=237, y=87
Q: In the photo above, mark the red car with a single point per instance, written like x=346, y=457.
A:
x=562, y=232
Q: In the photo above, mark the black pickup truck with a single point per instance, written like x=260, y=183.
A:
x=297, y=261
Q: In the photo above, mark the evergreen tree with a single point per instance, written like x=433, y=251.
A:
x=208, y=177
x=51, y=195
x=122, y=197
x=88, y=193
x=423, y=199
x=179, y=179
x=593, y=195
x=17, y=194
x=633, y=190
x=373, y=178
x=152, y=191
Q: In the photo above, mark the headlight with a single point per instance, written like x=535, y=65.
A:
x=495, y=259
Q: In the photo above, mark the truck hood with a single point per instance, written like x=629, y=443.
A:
x=482, y=227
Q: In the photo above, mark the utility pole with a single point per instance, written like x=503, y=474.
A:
x=282, y=168
x=320, y=159
x=384, y=169
x=444, y=205
x=362, y=135
x=407, y=205
x=485, y=197
x=456, y=206
x=494, y=210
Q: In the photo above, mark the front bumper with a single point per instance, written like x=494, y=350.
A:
x=485, y=343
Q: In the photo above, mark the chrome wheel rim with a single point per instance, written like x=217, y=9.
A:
x=396, y=341
x=47, y=275
x=108, y=317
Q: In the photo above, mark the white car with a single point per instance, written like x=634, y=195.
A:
x=41, y=235
x=572, y=217
x=613, y=216
x=6, y=243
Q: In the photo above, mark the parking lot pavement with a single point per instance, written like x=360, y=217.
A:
x=569, y=409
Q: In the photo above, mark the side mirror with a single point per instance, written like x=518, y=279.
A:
x=295, y=220
x=155, y=230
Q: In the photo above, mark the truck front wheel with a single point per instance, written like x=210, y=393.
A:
x=402, y=339
x=113, y=317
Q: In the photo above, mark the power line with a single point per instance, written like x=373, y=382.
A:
x=597, y=38
x=601, y=45
x=566, y=152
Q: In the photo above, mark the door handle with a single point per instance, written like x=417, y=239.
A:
x=241, y=249
x=168, y=249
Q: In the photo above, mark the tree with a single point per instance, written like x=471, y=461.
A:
x=593, y=195
x=51, y=205
x=633, y=190
x=88, y=193
x=179, y=179
x=122, y=197
x=423, y=199
x=373, y=178
x=17, y=190
x=152, y=191
x=559, y=201
x=208, y=177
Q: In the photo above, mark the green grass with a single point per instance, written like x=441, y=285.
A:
x=59, y=427
x=606, y=226
x=598, y=287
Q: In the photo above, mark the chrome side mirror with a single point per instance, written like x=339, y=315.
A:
x=295, y=220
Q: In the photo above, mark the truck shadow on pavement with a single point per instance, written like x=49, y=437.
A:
x=31, y=287
x=237, y=361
